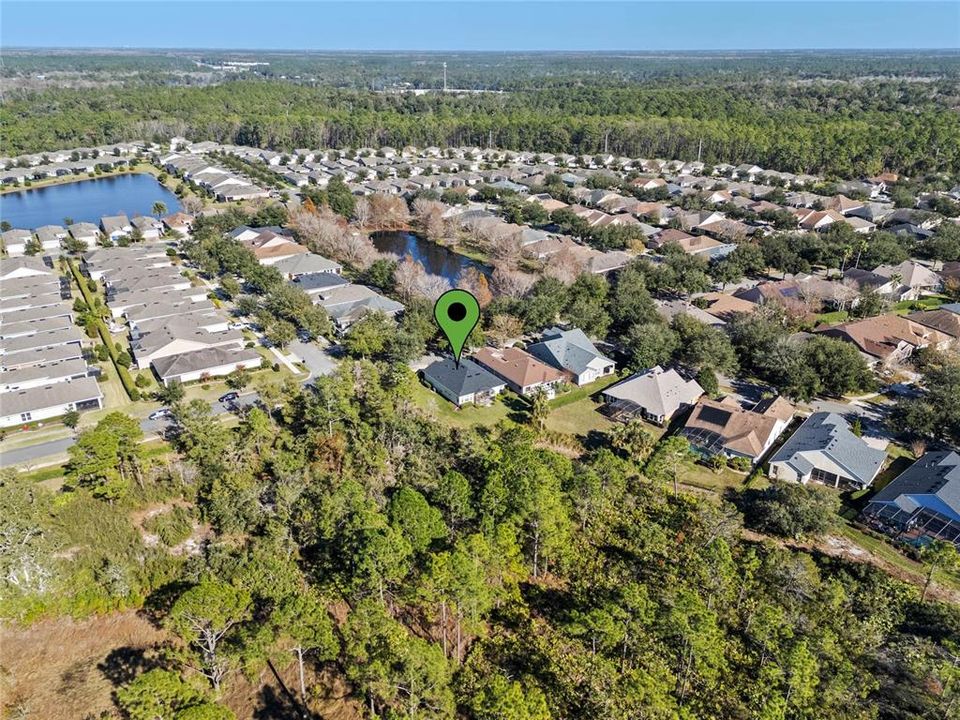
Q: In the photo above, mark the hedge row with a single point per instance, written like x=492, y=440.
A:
x=125, y=378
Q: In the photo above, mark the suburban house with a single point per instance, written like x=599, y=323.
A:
x=941, y=320
x=888, y=339
x=724, y=428
x=306, y=264
x=50, y=237
x=25, y=266
x=42, y=340
x=174, y=336
x=116, y=226
x=655, y=395
x=149, y=227
x=863, y=279
x=463, y=384
x=45, y=374
x=315, y=283
x=921, y=502
x=15, y=241
x=916, y=277
x=85, y=232
x=49, y=401
x=348, y=303
x=214, y=361
x=40, y=356
x=179, y=222
x=824, y=449
x=522, y=372
x=269, y=245
x=122, y=302
x=572, y=351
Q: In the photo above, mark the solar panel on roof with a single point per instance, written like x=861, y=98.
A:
x=714, y=416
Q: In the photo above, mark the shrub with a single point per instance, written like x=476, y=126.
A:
x=790, y=510
x=171, y=527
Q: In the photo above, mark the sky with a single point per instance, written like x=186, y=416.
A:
x=474, y=25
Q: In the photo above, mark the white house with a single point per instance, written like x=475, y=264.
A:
x=49, y=401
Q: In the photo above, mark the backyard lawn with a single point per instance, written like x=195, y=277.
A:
x=501, y=409
x=928, y=302
x=883, y=550
x=578, y=418
x=700, y=476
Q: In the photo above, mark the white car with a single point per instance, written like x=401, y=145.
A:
x=237, y=326
x=160, y=414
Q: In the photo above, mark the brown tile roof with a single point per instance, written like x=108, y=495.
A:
x=725, y=306
x=517, y=366
x=282, y=250
x=941, y=320
x=880, y=336
x=746, y=432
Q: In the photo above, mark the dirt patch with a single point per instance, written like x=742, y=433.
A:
x=191, y=546
x=841, y=547
x=66, y=669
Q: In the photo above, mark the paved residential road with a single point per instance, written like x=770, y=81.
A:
x=31, y=454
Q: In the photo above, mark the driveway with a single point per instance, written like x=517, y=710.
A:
x=316, y=358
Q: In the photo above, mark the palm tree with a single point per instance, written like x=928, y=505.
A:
x=539, y=409
x=159, y=209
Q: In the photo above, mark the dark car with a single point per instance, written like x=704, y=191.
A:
x=229, y=397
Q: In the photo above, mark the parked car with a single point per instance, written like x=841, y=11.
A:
x=229, y=397
x=237, y=326
x=160, y=414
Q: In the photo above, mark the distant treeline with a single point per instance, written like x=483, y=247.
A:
x=838, y=129
x=492, y=70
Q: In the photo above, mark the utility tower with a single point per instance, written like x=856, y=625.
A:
x=444, y=77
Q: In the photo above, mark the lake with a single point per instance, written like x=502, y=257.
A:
x=436, y=259
x=86, y=201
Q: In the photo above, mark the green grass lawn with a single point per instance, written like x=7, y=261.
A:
x=928, y=302
x=885, y=551
x=578, y=418
x=832, y=318
x=705, y=478
x=501, y=409
x=575, y=394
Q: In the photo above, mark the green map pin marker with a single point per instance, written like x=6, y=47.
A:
x=457, y=313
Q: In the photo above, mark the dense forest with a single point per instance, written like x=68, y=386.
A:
x=485, y=70
x=841, y=129
x=475, y=572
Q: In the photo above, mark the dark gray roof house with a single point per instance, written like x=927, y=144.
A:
x=318, y=282
x=922, y=501
x=825, y=450
x=466, y=383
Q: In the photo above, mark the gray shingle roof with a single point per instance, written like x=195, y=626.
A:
x=828, y=434
x=658, y=391
x=467, y=379
x=932, y=482
x=200, y=360
x=39, y=398
x=567, y=349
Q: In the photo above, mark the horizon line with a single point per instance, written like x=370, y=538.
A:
x=559, y=51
